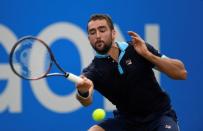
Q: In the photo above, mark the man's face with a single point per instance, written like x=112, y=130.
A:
x=100, y=35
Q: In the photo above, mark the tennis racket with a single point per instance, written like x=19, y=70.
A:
x=32, y=59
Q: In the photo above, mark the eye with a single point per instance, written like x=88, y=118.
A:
x=103, y=29
x=92, y=32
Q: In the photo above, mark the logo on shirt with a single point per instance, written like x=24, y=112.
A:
x=128, y=62
x=168, y=126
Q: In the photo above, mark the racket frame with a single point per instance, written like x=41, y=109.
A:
x=67, y=75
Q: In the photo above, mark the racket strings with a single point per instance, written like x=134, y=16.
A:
x=33, y=58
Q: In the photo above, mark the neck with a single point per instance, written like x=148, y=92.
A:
x=114, y=51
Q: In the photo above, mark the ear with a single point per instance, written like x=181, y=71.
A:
x=114, y=34
x=88, y=37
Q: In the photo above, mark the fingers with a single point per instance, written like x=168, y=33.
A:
x=83, y=80
x=133, y=34
x=82, y=76
x=136, y=39
x=84, y=85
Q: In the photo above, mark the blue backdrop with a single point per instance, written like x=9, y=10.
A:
x=49, y=104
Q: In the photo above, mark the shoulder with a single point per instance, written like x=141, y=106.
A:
x=91, y=66
x=94, y=65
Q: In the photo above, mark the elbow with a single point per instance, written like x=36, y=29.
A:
x=183, y=72
x=182, y=75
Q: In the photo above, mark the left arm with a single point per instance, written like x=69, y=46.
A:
x=172, y=67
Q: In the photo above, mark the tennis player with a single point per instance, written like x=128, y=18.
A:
x=122, y=72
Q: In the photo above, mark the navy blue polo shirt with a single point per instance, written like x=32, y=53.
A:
x=130, y=83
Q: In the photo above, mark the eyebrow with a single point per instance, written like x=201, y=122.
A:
x=100, y=27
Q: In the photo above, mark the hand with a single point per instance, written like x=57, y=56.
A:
x=85, y=85
x=138, y=43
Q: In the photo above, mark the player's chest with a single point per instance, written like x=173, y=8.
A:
x=129, y=65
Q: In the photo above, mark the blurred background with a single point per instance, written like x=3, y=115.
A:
x=173, y=27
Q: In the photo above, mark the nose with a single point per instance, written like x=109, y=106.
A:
x=97, y=34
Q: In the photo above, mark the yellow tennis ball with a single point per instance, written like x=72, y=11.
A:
x=98, y=114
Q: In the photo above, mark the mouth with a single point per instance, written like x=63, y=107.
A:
x=99, y=44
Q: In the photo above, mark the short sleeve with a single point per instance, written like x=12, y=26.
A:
x=91, y=73
x=153, y=50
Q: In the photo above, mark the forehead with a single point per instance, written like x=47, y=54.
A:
x=97, y=23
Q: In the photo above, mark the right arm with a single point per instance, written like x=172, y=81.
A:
x=85, y=91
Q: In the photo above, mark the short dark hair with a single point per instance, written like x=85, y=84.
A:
x=101, y=17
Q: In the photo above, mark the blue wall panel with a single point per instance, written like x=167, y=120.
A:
x=180, y=33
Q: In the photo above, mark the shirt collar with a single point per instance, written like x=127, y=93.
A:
x=121, y=45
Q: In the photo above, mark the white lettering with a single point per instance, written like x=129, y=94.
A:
x=10, y=98
x=48, y=98
x=152, y=35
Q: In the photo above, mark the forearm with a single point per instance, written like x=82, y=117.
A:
x=172, y=67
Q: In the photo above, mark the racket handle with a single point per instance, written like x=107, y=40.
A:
x=74, y=78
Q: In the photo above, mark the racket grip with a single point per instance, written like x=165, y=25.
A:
x=74, y=78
